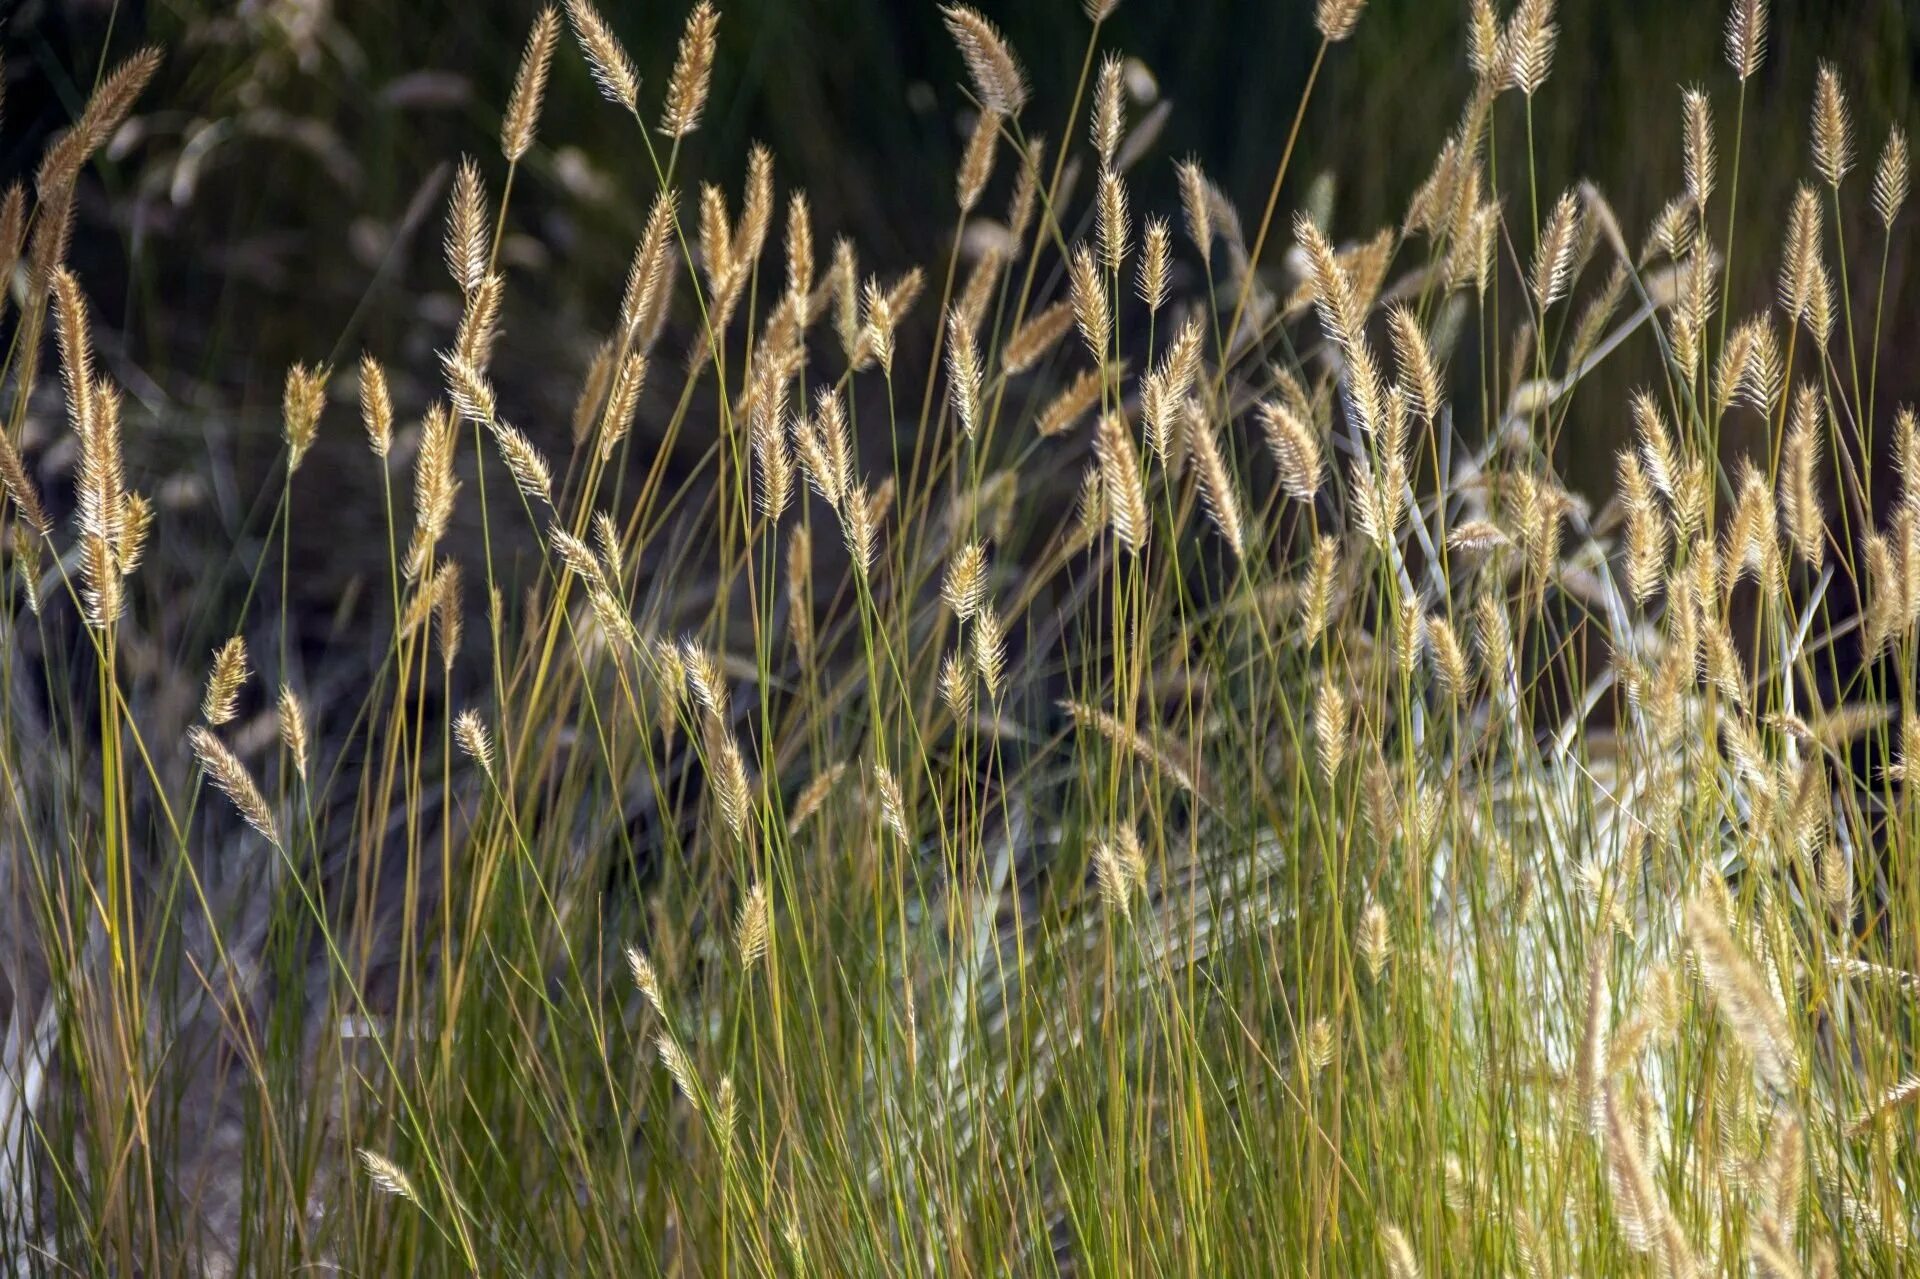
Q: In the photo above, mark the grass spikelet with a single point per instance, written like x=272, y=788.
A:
x=976, y=164
x=230, y=775
x=1553, y=260
x=1155, y=248
x=1120, y=480
x=612, y=69
x=1061, y=413
x=622, y=399
x=474, y=740
x=1401, y=1263
x=728, y=776
x=291, y=718
x=998, y=80
x=965, y=585
x=76, y=351
x=300, y=407
x=1890, y=178
x=1590, y=1064
x=692, y=72
x=1637, y=1205
x=448, y=620
x=1529, y=41
x=876, y=336
x=1295, y=449
x=387, y=1176
x=1747, y=1006
x=752, y=928
x=1109, y=121
x=856, y=518
x=1336, y=19
x=963, y=373
x=1832, y=130
x=1093, y=719
x=376, y=406
x=468, y=240
x=1033, y=339
x=989, y=650
x=1195, y=207
x=21, y=488
x=679, y=1066
x=1697, y=134
x=893, y=807
x=1420, y=377
x=1090, y=310
x=222, y=698
x=1112, y=876
x=1332, y=718
x=1217, y=493
x=1800, y=260
x=646, y=980
x=1318, y=594
x=27, y=560
x=956, y=686
x=529, y=469
x=1746, y=36
x=814, y=796
x=1112, y=229
x=1026, y=189
x=522, y=118
x=1374, y=942
x=1800, y=504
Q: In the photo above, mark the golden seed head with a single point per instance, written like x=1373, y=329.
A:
x=1113, y=230
x=1156, y=248
x=1126, y=497
x=301, y=404
x=474, y=740
x=387, y=1176
x=966, y=581
x=1890, y=178
x=224, y=682
x=1090, y=309
x=753, y=928
x=998, y=80
x=1529, y=44
x=292, y=717
x=376, y=406
x=1746, y=36
x=1832, y=130
x=1335, y=19
x=230, y=775
x=976, y=165
x=1108, y=115
x=529, y=87
x=646, y=979
x=612, y=69
x=989, y=650
x=1033, y=339
x=963, y=372
x=692, y=72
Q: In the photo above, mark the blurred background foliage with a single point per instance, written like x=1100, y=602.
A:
x=278, y=197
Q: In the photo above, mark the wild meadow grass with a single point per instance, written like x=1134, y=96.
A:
x=1116, y=752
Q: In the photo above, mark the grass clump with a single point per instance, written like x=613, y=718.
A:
x=1118, y=754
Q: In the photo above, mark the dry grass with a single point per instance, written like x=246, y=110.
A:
x=960, y=805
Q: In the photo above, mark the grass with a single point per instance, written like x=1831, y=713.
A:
x=1118, y=754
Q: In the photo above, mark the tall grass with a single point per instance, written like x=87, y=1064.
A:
x=1117, y=754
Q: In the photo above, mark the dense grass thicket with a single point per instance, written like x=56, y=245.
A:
x=1116, y=752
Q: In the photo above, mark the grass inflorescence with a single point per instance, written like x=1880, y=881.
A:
x=1119, y=752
